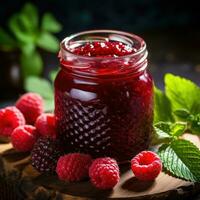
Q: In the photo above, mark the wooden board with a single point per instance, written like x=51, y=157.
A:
x=20, y=181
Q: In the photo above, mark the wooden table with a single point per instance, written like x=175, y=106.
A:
x=19, y=180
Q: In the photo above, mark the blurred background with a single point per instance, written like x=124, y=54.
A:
x=30, y=32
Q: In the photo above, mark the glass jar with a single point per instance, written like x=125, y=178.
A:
x=104, y=105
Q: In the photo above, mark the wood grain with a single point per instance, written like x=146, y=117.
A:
x=19, y=180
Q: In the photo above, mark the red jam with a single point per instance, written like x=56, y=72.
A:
x=106, y=49
x=103, y=94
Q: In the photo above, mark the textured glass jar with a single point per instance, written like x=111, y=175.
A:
x=104, y=105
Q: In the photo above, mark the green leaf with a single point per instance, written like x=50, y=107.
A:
x=165, y=127
x=48, y=42
x=31, y=64
x=164, y=132
x=49, y=105
x=40, y=86
x=182, y=113
x=195, y=124
x=53, y=74
x=19, y=31
x=28, y=48
x=178, y=128
x=162, y=107
x=161, y=133
x=182, y=93
x=182, y=159
x=31, y=14
x=160, y=137
x=49, y=23
x=6, y=41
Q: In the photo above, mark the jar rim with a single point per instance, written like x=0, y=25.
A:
x=64, y=45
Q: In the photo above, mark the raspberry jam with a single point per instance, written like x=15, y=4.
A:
x=104, y=94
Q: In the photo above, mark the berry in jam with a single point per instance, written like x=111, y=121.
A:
x=104, y=97
x=106, y=49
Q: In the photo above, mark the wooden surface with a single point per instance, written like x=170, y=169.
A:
x=20, y=179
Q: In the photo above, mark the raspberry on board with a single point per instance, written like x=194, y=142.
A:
x=24, y=137
x=146, y=166
x=104, y=173
x=45, y=125
x=10, y=118
x=31, y=105
x=73, y=167
x=45, y=154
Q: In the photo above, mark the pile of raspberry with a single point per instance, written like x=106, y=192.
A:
x=31, y=130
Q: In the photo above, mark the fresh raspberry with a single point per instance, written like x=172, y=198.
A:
x=104, y=173
x=24, y=137
x=31, y=105
x=45, y=125
x=10, y=118
x=73, y=166
x=45, y=154
x=146, y=166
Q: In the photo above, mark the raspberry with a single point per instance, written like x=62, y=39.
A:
x=146, y=166
x=45, y=154
x=101, y=49
x=24, y=137
x=31, y=105
x=45, y=125
x=10, y=118
x=104, y=173
x=73, y=166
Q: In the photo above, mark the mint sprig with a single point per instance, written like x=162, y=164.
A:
x=180, y=157
x=176, y=111
x=28, y=33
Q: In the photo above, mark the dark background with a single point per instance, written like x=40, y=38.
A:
x=171, y=29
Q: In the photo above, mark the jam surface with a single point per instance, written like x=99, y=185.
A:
x=105, y=49
x=104, y=117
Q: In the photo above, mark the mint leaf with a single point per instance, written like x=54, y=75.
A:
x=17, y=27
x=182, y=159
x=48, y=42
x=162, y=133
x=6, y=41
x=31, y=64
x=31, y=13
x=28, y=48
x=182, y=113
x=27, y=25
x=178, y=128
x=182, y=93
x=162, y=107
x=53, y=74
x=195, y=124
x=49, y=23
x=40, y=86
x=164, y=127
x=48, y=105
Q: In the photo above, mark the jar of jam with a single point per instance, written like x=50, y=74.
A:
x=104, y=94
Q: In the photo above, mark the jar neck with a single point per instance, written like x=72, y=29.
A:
x=104, y=67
